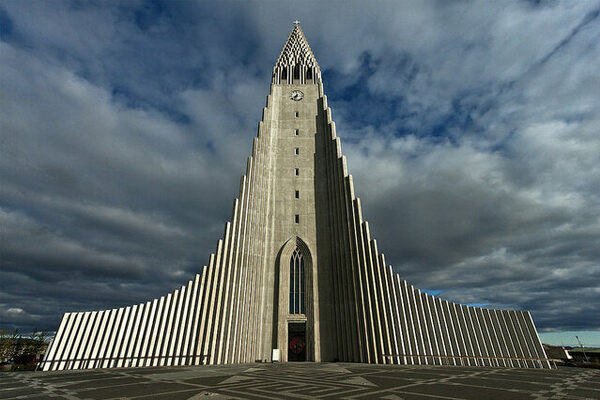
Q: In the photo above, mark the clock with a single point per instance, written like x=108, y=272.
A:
x=296, y=95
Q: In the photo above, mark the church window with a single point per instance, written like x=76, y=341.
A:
x=297, y=194
x=296, y=132
x=297, y=171
x=296, y=283
x=296, y=114
x=297, y=218
x=296, y=73
x=297, y=151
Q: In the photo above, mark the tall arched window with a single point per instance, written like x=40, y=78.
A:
x=296, y=283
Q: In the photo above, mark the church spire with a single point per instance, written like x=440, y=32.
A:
x=296, y=63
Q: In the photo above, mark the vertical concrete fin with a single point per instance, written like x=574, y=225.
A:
x=128, y=327
x=50, y=355
x=99, y=337
x=221, y=283
x=215, y=263
x=432, y=326
x=344, y=166
x=413, y=328
x=395, y=316
x=446, y=332
x=150, y=351
x=475, y=336
x=452, y=333
x=537, y=343
x=117, y=336
x=228, y=277
x=138, y=334
x=337, y=279
x=189, y=313
x=87, y=338
x=206, y=314
x=389, y=335
x=168, y=337
x=493, y=337
x=144, y=333
x=423, y=321
x=196, y=332
x=338, y=147
x=102, y=352
x=183, y=322
x=371, y=335
x=484, y=339
x=332, y=132
x=78, y=329
x=402, y=325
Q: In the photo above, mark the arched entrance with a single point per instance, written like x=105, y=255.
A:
x=295, y=316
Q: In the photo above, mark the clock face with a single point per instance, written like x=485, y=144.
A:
x=296, y=95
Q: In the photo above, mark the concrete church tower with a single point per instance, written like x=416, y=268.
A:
x=297, y=274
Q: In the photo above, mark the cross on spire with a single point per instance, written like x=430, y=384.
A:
x=296, y=22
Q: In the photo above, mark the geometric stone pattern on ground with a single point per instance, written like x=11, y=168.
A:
x=304, y=381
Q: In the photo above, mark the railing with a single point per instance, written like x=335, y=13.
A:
x=460, y=358
x=84, y=362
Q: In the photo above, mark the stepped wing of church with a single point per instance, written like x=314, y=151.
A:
x=297, y=275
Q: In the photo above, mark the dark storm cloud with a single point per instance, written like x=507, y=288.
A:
x=125, y=129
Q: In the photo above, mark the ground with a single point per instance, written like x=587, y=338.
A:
x=304, y=381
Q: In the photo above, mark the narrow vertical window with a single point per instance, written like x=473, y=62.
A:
x=296, y=132
x=292, y=281
x=301, y=285
x=297, y=114
x=297, y=194
x=297, y=171
x=297, y=218
x=296, y=283
x=297, y=151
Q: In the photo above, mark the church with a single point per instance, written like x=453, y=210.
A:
x=296, y=275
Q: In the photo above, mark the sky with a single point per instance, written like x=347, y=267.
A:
x=472, y=130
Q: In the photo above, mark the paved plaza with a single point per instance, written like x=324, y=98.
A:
x=304, y=381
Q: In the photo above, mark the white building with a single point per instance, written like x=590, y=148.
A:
x=296, y=271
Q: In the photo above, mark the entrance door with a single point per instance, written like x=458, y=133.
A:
x=297, y=341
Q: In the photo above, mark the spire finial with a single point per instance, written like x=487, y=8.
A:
x=296, y=63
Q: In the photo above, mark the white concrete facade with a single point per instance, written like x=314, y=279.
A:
x=296, y=200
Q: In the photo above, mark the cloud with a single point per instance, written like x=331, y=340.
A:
x=125, y=129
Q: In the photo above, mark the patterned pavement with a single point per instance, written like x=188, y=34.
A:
x=303, y=381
